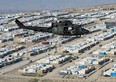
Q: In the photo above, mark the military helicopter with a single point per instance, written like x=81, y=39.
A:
x=63, y=27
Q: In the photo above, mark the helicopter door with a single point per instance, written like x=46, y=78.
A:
x=65, y=30
x=68, y=30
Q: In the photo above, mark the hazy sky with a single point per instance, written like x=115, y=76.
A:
x=7, y=5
